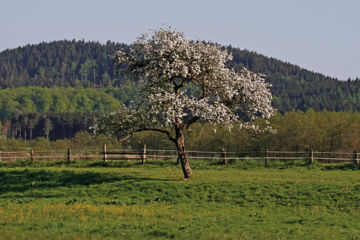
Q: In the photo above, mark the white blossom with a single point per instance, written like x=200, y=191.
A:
x=168, y=65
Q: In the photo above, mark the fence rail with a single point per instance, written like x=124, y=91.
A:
x=161, y=154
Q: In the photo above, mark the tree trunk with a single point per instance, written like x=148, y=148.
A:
x=183, y=157
x=31, y=131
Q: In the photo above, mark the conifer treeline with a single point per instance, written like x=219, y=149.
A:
x=80, y=85
x=294, y=88
x=295, y=131
x=60, y=63
x=52, y=126
x=31, y=112
x=88, y=64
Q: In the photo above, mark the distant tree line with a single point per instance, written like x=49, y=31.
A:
x=56, y=113
x=56, y=90
x=60, y=63
x=81, y=140
x=52, y=126
x=295, y=88
x=294, y=131
x=59, y=100
x=89, y=65
x=63, y=100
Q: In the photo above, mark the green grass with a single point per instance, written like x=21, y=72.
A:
x=126, y=200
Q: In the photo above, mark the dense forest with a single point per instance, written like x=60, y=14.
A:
x=62, y=100
x=89, y=64
x=295, y=131
x=56, y=89
x=294, y=88
x=30, y=112
x=60, y=63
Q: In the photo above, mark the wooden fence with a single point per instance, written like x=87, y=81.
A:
x=151, y=154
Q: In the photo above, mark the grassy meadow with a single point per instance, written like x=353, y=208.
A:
x=127, y=200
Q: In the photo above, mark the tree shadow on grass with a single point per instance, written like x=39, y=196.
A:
x=34, y=179
x=125, y=164
x=342, y=166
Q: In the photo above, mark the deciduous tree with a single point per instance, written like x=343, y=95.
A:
x=168, y=65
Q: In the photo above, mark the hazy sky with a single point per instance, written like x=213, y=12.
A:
x=320, y=35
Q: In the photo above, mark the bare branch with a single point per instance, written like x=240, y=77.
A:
x=190, y=122
x=171, y=138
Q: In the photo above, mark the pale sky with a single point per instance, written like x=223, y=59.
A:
x=319, y=35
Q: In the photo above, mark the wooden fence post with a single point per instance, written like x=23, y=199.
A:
x=143, y=156
x=312, y=157
x=356, y=157
x=104, y=153
x=31, y=155
x=69, y=155
x=0, y=156
x=266, y=157
x=223, y=156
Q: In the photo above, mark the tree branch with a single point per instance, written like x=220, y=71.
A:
x=190, y=122
x=171, y=138
x=203, y=91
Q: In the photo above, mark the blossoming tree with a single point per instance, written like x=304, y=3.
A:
x=183, y=82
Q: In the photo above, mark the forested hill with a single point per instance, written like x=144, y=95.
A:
x=88, y=64
x=295, y=88
x=60, y=63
